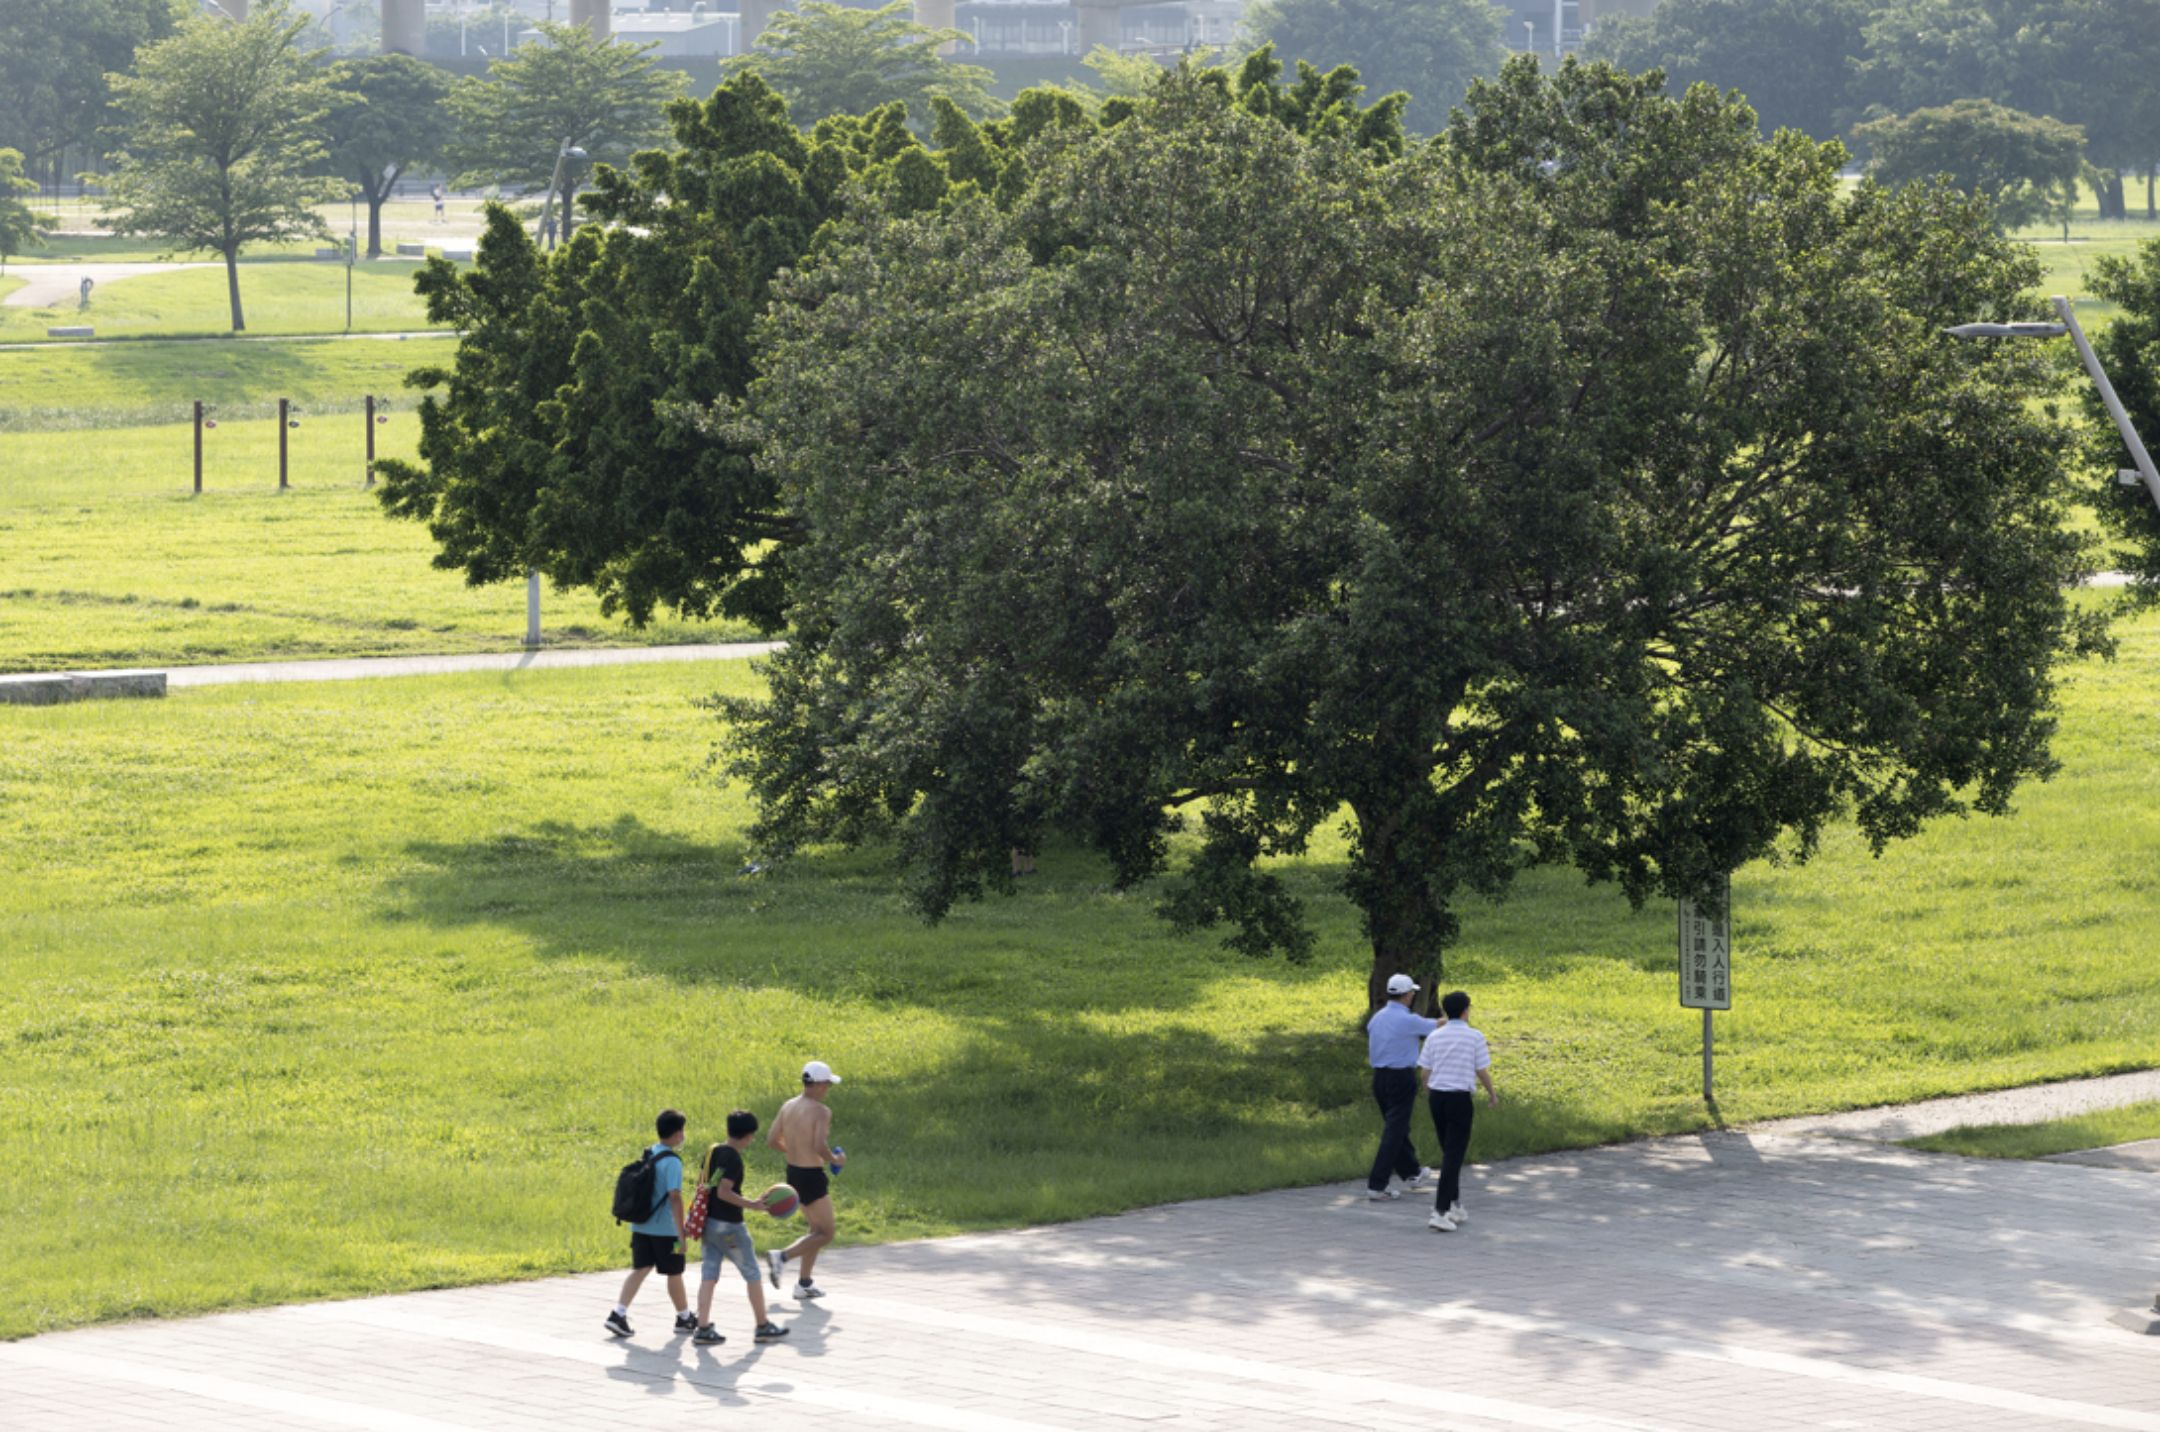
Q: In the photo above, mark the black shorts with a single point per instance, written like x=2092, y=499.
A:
x=650, y=1250
x=810, y=1183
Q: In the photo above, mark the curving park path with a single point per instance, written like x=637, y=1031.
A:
x=47, y=285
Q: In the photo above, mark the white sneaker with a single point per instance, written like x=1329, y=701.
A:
x=1440, y=1223
x=1380, y=1195
x=1455, y=1211
x=1421, y=1180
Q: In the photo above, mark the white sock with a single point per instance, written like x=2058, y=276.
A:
x=622, y=1310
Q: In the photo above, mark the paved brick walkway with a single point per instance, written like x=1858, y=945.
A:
x=1734, y=1281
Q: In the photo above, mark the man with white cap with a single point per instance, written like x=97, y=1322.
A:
x=1392, y=1038
x=802, y=1132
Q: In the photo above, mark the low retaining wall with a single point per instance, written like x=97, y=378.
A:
x=51, y=688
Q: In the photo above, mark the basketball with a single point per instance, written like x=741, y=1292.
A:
x=780, y=1200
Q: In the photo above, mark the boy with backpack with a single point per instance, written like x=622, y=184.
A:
x=727, y=1237
x=648, y=1197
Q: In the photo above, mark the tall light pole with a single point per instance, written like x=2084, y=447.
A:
x=2144, y=471
x=547, y=208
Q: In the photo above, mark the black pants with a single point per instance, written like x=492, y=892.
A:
x=1452, y=1112
x=1395, y=1091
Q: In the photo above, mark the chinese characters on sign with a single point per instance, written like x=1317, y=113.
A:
x=1706, y=951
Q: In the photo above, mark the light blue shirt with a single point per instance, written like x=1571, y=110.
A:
x=667, y=1179
x=1393, y=1035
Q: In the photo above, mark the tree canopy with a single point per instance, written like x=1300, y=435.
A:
x=386, y=114
x=1791, y=59
x=1590, y=486
x=564, y=436
x=54, y=56
x=1429, y=50
x=2129, y=351
x=20, y=226
x=827, y=59
x=599, y=95
x=222, y=140
x=2026, y=165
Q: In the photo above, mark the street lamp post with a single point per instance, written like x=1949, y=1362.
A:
x=2144, y=472
x=2143, y=1320
x=547, y=207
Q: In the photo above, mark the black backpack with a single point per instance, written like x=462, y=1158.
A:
x=634, y=1198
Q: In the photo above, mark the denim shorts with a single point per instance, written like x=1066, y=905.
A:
x=729, y=1241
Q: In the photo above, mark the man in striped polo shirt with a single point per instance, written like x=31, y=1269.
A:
x=1454, y=1057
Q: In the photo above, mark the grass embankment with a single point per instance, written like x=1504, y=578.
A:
x=104, y=385
x=2038, y=1141
x=331, y=989
x=276, y=298
x=106, y=559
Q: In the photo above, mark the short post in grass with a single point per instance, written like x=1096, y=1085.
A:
x=284, y=409
x=532, y=608
x=369, y=472
x=1706, y=963
x=198, y=447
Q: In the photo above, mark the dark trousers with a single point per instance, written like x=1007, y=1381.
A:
x=1395, y=1091
x=1452, y=1112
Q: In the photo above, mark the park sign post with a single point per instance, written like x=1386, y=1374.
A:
x=1706, y=961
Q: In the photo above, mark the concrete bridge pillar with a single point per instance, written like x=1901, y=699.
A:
x=597, y=16
x=1100, y=25
x=756, y=15
x=404, y=26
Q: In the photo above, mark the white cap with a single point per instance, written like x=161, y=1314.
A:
x=817, y=1071
x=1400, y=985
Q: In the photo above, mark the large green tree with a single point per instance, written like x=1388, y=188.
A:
x=20, y=226
x=387, y=113
x=223, y=145
x=2026, y=165
x=2084, y=62
x=584, y=429
x=845, y=59
x=1591, y=486
x=603, y=96
x=54, y=56
x=1429, y=50
x=1792, y=59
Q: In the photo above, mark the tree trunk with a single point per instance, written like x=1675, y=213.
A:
x=2110, y=193
x=1405, y=922
x=374, y=224
x=232, y=289
x=2151, y=213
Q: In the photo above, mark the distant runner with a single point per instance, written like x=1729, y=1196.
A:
x=802, y=1132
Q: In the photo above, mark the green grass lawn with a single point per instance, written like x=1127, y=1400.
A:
x=2057, y=1136
x=2068, y=266
x=324, y=989
x=276, y=298
x=106, y=559
x=104, y=385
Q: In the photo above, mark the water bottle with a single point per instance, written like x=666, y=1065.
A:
x=835, y=1168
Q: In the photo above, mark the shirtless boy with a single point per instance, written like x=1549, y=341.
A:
x=802, y=1132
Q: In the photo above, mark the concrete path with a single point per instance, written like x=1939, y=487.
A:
x=45, y=344
x=2140, y=1154
x=1742, y=1282
x=2034, y=1104
x=361, y=668
x=48, y=284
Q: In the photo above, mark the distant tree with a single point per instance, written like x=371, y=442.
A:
x=2129, y=349
x=2084, y=62
x=54, y=56
x=842, y=59
x=2023, y=164
x=602, y=96
x=1429, y=50
x=387, y=113
x=20, y=226
x=1592, y=486
x=1792, y=59
x=1127, y=76
x=223, y=126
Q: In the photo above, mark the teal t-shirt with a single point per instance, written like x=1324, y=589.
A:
x=667, y=1179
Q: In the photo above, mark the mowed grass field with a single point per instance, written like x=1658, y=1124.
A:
x=275, y=298
x=327, y=989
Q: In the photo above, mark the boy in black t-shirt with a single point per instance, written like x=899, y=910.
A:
x=726, y=1236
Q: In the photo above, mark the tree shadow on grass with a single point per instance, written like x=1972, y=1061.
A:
x=833, y=925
